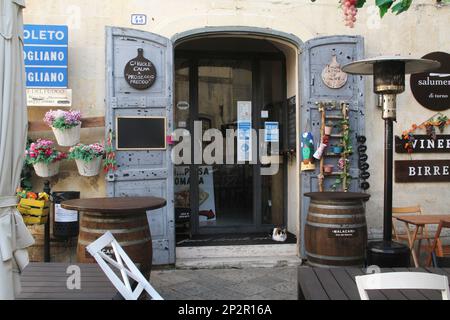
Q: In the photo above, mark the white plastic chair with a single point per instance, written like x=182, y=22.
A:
x=127, y=270
x=402, y=280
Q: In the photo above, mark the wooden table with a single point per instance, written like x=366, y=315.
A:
x=115, y=205
x=49, y=281
x=419, y=221
x=124, y=217
x=339, y=284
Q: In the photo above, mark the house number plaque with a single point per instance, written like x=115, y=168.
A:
x=140, y=73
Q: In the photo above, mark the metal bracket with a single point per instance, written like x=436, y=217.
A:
x=113, y=102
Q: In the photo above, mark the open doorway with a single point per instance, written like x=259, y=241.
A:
x=214, y=78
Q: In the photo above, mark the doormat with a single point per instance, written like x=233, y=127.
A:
x=233, y=240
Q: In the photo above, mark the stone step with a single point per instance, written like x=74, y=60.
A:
x=237, y=256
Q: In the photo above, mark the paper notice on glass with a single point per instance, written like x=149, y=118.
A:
x=244, y=131
x=244, y=110
x=64, y=215
x=271, y=132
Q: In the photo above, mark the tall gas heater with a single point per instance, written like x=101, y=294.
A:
x=388, y=81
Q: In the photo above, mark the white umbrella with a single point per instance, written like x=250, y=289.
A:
x=14, y=235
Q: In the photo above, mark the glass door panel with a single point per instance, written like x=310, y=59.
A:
x=225, y=190
x=272, y=186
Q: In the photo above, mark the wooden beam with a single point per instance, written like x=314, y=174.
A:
x=91, y=122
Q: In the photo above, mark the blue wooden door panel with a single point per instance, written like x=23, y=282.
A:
x=143, y=172
x=316, y=54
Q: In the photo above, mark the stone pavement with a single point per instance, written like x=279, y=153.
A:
x=278, y=283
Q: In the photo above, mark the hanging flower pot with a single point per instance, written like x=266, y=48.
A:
x=44, y=158
x=65, y=125
x=88, y=158
x=89, y=168
x=67, y=137
x=45, y=170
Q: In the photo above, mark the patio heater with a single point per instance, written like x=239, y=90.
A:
x=388, y=81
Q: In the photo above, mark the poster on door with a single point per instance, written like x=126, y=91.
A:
x=206, y=200
x=244, y=131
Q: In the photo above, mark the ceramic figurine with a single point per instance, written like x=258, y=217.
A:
x=307, y=146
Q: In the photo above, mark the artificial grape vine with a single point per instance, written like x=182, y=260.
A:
x=349, y=9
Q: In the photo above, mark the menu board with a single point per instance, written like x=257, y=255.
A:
x=140, y=133
x=291, y=123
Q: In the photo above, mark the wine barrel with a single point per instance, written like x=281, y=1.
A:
x=336, y=229
x=131, y=230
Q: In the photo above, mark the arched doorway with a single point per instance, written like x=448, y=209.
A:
x=216, y=75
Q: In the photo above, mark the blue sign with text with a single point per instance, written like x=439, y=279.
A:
x=45, y=55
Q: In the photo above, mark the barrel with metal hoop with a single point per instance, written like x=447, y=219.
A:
x=336, y=229
x=125, y=218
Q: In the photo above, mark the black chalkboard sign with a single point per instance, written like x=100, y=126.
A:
x=291, y=125
x=140, y=133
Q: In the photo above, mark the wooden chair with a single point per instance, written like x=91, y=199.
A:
x=402, y=280
x=126, y=267
x=437, y=254
x=422, y=234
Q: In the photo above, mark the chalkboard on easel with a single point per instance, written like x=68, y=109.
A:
x=140, y=133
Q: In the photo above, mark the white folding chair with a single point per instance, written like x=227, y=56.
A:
x=402, y=280
x=127, y=270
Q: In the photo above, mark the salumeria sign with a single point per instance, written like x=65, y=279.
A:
x=45, y=54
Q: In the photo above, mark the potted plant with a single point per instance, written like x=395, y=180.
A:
x=337, y=149
x=44, y=158
x=328, y=128
x=88, y=158
x=65, y=125
x=442, y=122
x=328, y=168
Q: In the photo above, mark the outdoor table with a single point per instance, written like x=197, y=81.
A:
x=124, y=217
x=48, y=281
x=419, y=221
x=339, y=284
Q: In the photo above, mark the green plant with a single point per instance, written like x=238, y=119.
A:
x=61, y=119
x=441, y=122
x=43, y=151
x=340, y=180
x=350, y=8
x=86, y=152
x=25, y=174
x=344, y=163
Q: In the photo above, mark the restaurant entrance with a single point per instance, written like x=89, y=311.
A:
x=221, y=83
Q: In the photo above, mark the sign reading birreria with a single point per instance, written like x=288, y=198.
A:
x=140, y=73
x=432, y=89
x=425, y=144
x=422, y=171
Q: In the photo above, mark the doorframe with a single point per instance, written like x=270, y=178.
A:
x=257, y=33
x=255, y=57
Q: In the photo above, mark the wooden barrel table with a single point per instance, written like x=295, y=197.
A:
x=124, y=217
x=336, y=229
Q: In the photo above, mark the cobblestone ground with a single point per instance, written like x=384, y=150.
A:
x=226, y=284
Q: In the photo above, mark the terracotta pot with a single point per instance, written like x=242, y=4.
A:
x=328, y=130
x=46, y=170
x=67, y=137
x=328, y=168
